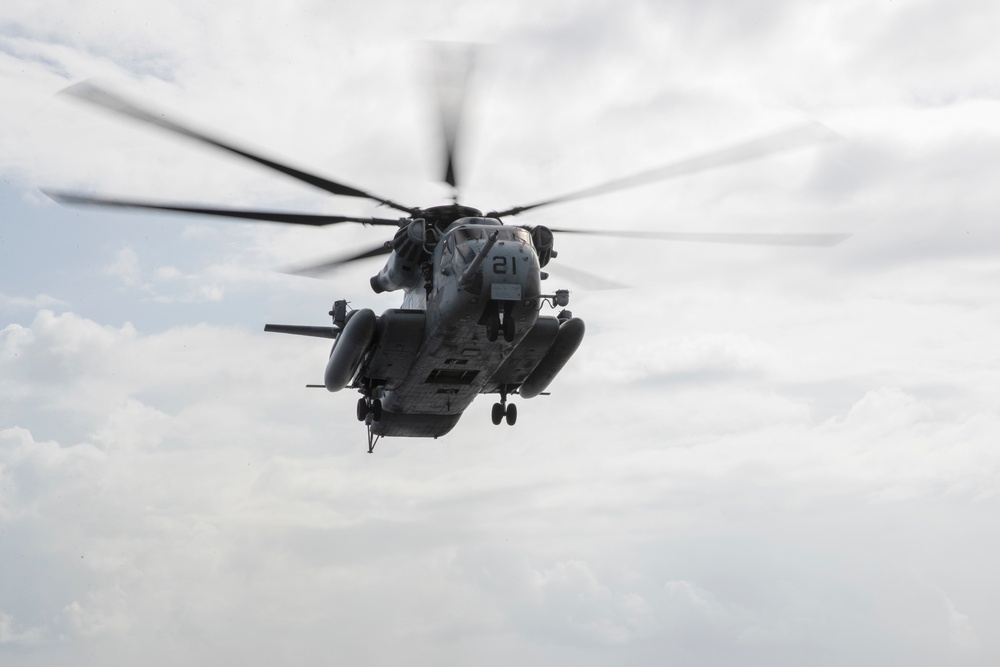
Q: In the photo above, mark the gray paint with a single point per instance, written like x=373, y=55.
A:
x=441, y=331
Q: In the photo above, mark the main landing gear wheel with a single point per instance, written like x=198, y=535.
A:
x=511, y=414
x=369, y=410
x=502, y=410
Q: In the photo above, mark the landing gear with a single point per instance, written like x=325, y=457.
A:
x=494, y=325
x=372, y=439
x=511, y=414
x=498, y=413
x=508, y=322
x=369, y=409
x=502, y=410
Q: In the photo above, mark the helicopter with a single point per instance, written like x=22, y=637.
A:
x=470, y=321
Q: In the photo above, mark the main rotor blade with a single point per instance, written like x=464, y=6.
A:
x=97, y=96
x=317, y=269
x=765, y=239
x=586, y=279
x=452, y=65
x=272, y=216
x=795, y=137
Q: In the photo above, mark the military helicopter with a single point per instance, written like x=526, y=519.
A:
x=470, y=319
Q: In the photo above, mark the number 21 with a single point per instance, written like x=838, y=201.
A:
x=500, y=265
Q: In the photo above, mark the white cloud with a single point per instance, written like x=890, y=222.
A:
x=962, y=632
x=125, y=267
x=13, y=635
x=759, y=455
x=39, y=301
x=104, y=612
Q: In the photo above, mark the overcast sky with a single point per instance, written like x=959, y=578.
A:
x=759, y=456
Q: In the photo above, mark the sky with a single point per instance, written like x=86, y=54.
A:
x=759, y=456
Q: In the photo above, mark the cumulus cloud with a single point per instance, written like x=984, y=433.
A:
x=759, y=456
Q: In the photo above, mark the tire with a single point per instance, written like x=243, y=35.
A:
x=511, y=414
x=497, y=414
x=362, y=409
x=377, y=409
x=508, y=328
x=492, y=326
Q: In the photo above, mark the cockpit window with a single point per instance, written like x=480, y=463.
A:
x=469, y=234
x=464, y=234
x=515, y=234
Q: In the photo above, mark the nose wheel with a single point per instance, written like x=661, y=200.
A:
x=492, y=324
x=508, y=322
x=495, y=325
x=504, y=411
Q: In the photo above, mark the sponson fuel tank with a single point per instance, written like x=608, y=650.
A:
x=349, y=350
x=568, y=338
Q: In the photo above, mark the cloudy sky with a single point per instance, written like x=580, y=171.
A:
x=773, y=456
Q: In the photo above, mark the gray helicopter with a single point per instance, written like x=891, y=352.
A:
x=470, y=322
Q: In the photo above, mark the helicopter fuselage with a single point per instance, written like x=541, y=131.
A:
x=469, y=324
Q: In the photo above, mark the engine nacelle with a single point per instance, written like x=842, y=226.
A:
x=402, y=269
x=348, y=352
x=542, y=239
x=568, y=338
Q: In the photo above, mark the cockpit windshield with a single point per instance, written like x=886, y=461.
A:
x=480, y=233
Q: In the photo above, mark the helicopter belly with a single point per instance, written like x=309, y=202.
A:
x=446, y=376
x=414, y=425
x=452, y=366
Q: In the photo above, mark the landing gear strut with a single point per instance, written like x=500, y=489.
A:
x=369, y=411
x=372, y=439
x=503, y=411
